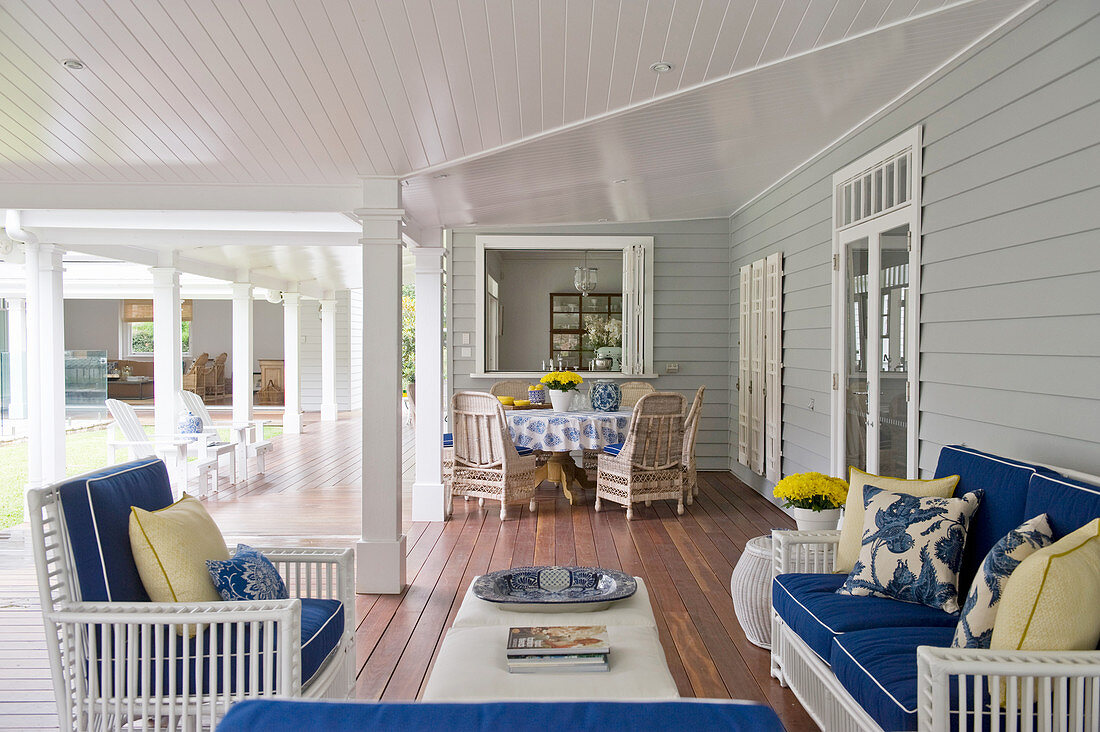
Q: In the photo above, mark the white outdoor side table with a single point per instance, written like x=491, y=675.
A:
x=751, y=588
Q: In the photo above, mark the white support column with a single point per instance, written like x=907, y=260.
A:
x=429, y=501
x=380, y=554
x=34, y=368
x=292, y=378
x=328, y=359
x=242, y=359
x=17, y=355
x=51, y=362
x=167, y=348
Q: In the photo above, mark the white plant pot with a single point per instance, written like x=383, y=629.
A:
x=561, y=400
x=808, y=520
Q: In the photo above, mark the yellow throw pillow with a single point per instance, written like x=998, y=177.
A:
x=171, y=547
x=851, y=532
x=1051, y=601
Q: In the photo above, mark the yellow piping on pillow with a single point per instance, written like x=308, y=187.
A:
x=1042, y=585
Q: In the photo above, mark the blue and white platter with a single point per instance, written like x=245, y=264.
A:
x=555, y=589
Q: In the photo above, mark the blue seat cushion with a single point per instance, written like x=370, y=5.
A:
x=448, y=439
x=1069, y=504
x=322, y=628
x=1005, y=482
x=614, y=449
x=878, y=667
x=523, y=450
x=261, y=715
x=809, y=605
x=96, y=507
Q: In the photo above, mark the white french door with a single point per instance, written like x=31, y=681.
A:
x=876, y=316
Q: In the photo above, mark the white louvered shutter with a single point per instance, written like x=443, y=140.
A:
x=744, y=409
x=756, y=368
x=634, y=305
x=773, y=366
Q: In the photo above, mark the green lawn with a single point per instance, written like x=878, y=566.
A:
x=84, y=451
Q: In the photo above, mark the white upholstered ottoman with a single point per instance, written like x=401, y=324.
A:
x=472, y=664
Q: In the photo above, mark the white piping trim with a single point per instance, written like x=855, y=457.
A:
x=872, y=678
x=811, y=614
x=994, y=458
x=1039, y=476
x=339, y=610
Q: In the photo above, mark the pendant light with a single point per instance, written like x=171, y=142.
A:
x=584, y=278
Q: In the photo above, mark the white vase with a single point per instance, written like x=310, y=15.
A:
x=561, y=400
x=808, y=520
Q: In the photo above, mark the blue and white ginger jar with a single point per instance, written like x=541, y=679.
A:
x=190, y=425
x=606, y=396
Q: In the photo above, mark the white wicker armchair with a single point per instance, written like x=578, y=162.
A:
x=486, y=464
x=632, y=391
x=126, y=664
x=691, y=429
x=649, y=466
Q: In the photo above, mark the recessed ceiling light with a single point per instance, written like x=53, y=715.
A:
x=620, y=180
x=73, y=63
x=661, y=67
x=442, y=176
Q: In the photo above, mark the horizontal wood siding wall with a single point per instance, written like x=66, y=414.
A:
x=691, y=315
x=1010, y=309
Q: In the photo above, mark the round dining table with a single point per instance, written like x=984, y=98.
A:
x=559, y=433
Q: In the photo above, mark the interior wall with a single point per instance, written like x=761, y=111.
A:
x=1010, y=317
x=691, y=315
x=92, y=325
x=525, y=286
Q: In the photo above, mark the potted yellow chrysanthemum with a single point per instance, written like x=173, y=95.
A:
x=815, y=499
x=561, y=383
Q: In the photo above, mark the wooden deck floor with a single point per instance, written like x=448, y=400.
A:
x=310, y=496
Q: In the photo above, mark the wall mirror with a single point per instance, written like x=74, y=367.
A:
x=584, y=302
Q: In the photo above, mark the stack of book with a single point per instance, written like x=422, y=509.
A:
x=558, y=649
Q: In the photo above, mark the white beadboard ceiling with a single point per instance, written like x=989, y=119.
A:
x=494, y=111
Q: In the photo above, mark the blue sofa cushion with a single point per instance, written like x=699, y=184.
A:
x=304, y=716
x=878, y=667
x=809, y=605
x=322, y=628
x=524, y=450
x=96, y=507
x=1069, y=504
x=448, y=439
x=1005, y=483
x=614, y=449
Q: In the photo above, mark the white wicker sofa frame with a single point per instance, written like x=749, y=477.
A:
x=117, y=663
x=957, y=689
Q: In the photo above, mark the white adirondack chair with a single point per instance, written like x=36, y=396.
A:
x=247, y=438
x=172, y=449
x=209, y=444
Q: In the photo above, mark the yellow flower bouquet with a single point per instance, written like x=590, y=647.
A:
x=562, y=380
x=812, y=491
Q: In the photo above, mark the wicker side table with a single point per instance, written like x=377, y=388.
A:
x=751, y=588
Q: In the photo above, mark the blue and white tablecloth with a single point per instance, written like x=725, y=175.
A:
x=543, y=429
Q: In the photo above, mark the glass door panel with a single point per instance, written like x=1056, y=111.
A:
x=855, y=423
x=893, y=406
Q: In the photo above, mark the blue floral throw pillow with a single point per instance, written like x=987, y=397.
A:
x=247, y=575
x=975, y=628
x=912, y=548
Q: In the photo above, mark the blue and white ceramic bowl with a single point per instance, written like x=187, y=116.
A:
x=555, y=589
x=606, y=396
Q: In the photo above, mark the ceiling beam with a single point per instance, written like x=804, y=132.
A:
x=165, y=196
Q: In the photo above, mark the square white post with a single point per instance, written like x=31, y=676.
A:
x=17, y=355
x=51, y=362
x=242, y=366
x=292, y=389
x=34, y=368
x=380, y=554
x=167, y=348
x=429, y=502
x=328, y=359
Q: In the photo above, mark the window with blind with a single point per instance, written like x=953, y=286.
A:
x=137, y=327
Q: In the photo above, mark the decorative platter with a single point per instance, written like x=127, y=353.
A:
x=555, y=589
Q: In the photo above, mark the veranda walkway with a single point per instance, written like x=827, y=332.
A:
x=310, y=496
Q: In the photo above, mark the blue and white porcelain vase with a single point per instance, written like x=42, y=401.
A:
x=606, y=396
x=190, y=425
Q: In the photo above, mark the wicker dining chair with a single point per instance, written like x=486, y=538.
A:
x=632, y=391
x=486, y=462
x=510, y=388
x=649, y=465
x=691, y=429
x=195, y=378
